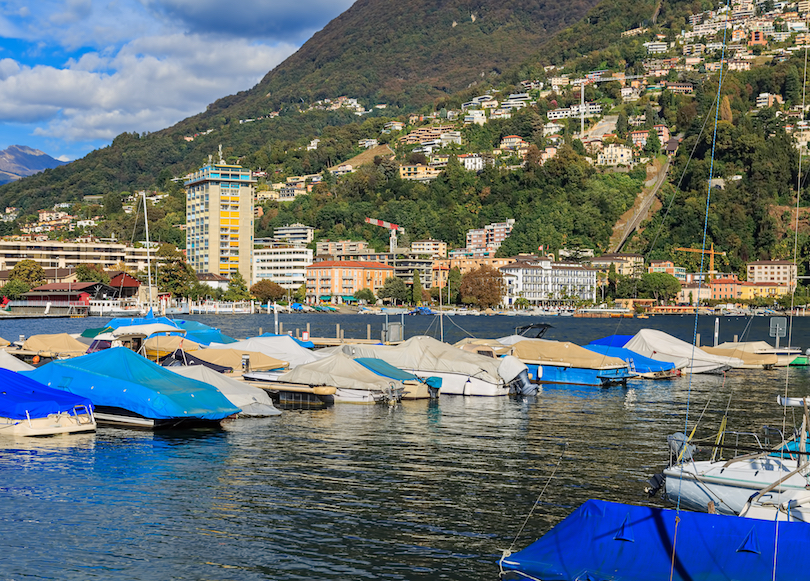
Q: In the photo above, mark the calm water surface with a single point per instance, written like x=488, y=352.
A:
x=421, y=490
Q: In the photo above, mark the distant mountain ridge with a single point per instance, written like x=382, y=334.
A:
x=19, y=161
x=407, y=53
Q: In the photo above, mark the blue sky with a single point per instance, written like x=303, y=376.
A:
x=76, y=73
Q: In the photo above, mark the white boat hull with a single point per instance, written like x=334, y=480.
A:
x=728, y=487
x=51, y=425
x=359, y=396
x=460, y=384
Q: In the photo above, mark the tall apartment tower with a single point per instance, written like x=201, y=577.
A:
x=219, y=220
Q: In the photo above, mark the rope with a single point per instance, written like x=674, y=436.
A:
x=464, y=330
x=702, y=261
x=559, y=461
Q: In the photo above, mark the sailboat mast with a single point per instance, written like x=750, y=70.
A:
x=148, y=250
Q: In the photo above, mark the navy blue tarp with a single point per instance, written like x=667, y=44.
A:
x=607, y=540
x=20, y=394
x=118, y=377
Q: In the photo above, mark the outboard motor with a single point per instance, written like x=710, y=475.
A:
x=434, y=384
x=679, y=448
x=655, y=484
x=521, y=385
x=515, y=375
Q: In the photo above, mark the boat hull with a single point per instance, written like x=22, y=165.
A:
x=460, y=384
x=51, y=425
x=119, y=417
x=605, y=540
x=578, y=375
x=728, y=487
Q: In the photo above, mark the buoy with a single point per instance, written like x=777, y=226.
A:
x=36, y=359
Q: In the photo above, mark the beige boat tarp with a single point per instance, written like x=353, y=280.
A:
x=58, y=344
x=341, y=371
x=498, y=348
x=750, y=360
x=563, y=352
x=165, y=345
x=4, y=343
x=233, y=358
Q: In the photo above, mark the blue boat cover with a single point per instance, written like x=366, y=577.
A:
x=20, y=394
x=603, y=541
x=305, y=344
x=384, y=369
x=118, y=377
x=613, y=340
x=638, y=362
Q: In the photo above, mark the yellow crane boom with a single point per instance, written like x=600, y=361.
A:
x=711, y=254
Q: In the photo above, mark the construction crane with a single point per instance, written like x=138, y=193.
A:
x=391, y=227
x=711, y=254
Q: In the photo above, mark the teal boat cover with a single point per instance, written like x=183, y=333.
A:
x=603, y=541
x=196, y=331
x=118, y=377
x=22, y=397
x=384, y=369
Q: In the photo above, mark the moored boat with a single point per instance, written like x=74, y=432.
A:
x=29, y=408
x=128, y=389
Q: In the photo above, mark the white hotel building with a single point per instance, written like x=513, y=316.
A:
x=541, y=281
x=283, y=265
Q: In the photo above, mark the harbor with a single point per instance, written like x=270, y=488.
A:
x=419, y=490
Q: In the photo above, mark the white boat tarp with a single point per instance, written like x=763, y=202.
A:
x=8, y=361
x=339, y=370
x=427, y=354
x=58, y=344
x=145, y=330
x=563, y=352
x=469, y=344
x=664, y=347
x=233, y=358
x=253, y=400
x=283, y=347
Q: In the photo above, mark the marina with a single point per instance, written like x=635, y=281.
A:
x=422, y=489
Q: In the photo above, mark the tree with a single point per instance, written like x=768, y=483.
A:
x=15, y=289
x=174, y=275
x=365, y=294
x=237, y=288
x=483, y=286
x=301, y=293
x=653, y=145
x=660, y=285
x=416, y=289
x=267, y=290
x=725, y=110
x=91, y=273
x=29, y=272
x=112, y=204
x=453, y=285
x=394, y=289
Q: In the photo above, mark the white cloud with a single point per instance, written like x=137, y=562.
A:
x=181, y=77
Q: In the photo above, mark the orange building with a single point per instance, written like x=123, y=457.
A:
x=441, y=268
x=343, y=278
x=726, y=288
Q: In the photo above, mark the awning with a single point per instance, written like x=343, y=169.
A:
x=325, y=298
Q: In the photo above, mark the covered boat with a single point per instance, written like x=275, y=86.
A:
x=128, y=389
x=54, y=346
x=253, y=401
x=645, y=367
x=353, y=382
x=29, y=408
x=565, y=362
x=8, y=361
x=413, y=387
x=461, y=372
x=749, y=360
x=784, y=355
x=690, y=359
x=159, y=346
x=283, y=348
x=607, y=540
x=240, y=360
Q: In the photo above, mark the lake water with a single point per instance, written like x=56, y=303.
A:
x=421, y=490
